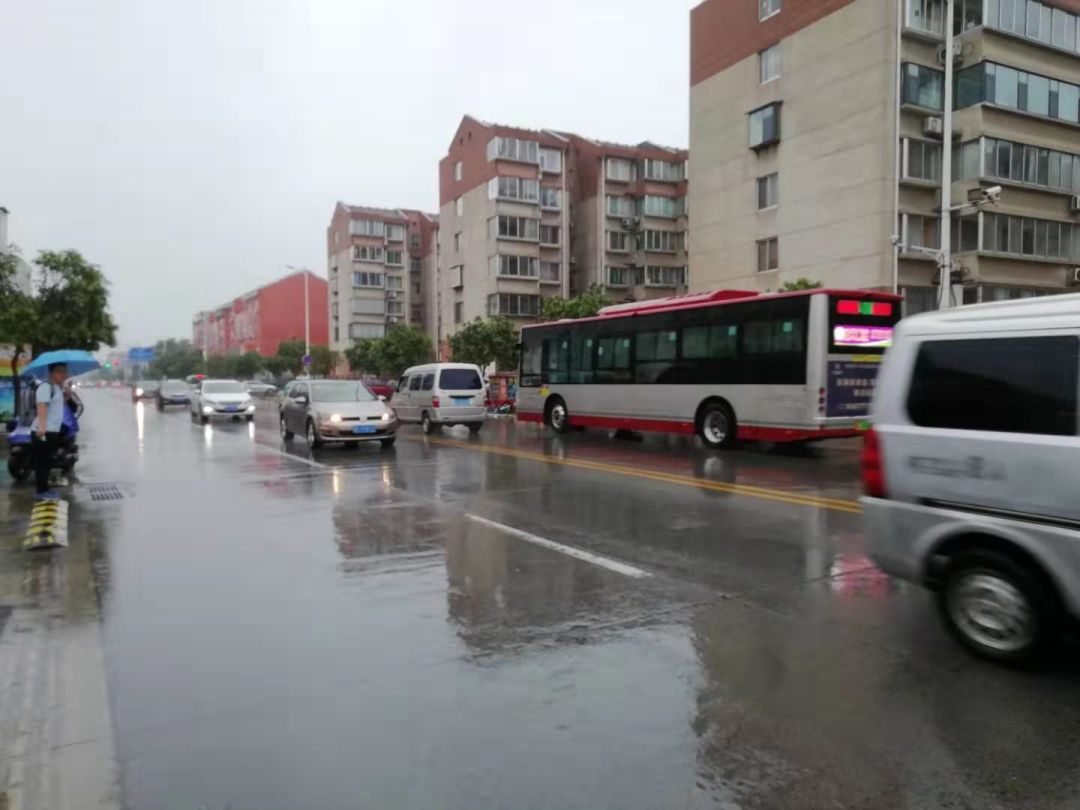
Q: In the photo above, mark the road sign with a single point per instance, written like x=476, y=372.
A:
x=141, y=355
x=306, y=359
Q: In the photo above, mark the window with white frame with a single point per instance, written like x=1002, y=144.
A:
x=518, y=149
x=922, y=160
x=395, y=233
x=507, y=227
x=618, y=276
x=367, y=306
x=395, y=282
x=459, y=206
x=664, y=207
x=926, y=15
x=768, y=254
x=618, y=241
x=514, y=188
x=620, y=170
x=664, y=276
x=618, y=206
x=515, y=266
x=395, y=307
x=414, y=265
x=768, y=191
x=368, y=253
x=366, y=227
x=550, y=198
x=767, y=8
x=457, y=276
x=550, y=235
x=658, y=241
x=364, y=279
x=551, y=160
x=550, y=272
x=395, y=258
x=457, y=242
x=664, y=170
x=458, y=171
x=919, y=231
x=513, y=304
x=769, y=63
x=459, y=311
x=765, y=126
x=366, y=331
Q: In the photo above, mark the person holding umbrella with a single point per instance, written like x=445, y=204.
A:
x=46, y=427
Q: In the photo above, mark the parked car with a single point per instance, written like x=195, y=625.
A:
x=222, y=399
x=172, y=392
x=970, y=470
x=257, y=388
x=336, y=411
x=440, y=394
x=144, y=389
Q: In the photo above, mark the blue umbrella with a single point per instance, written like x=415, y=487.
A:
x=78, y=362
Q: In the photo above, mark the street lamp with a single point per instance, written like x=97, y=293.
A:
x=307, y=309
x=945, y=268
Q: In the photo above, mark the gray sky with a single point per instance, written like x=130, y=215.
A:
x=193, y=149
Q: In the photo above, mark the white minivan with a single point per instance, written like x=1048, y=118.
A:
x=441, y=394
x=972, y=470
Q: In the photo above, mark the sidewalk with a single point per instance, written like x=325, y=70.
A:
x=56, y=739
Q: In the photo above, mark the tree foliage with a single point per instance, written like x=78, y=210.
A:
x=486, y=342
x=323, y=361
x=800, y=284
x=175, y=359
x=389, y=356
x=291, y=353
x=585, y=305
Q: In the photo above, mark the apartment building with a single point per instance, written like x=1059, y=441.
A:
x=816, y=134
x=380, y=262
x=527, y=214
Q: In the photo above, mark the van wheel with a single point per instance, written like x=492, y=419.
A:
x=475, y=427
x=998, y=608
x=716, y=426
x=426, y=425
x=558, y=416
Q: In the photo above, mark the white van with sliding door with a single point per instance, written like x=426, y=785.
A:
x=972, y=469
x=441, y=394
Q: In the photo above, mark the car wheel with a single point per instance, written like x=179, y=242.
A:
x=313, y=439
x=998, y=608
x=286, y=434
x=558, y=415
x=475, y=427
x=19, y=466
x=716, y=426
x=161, y=406
x=250, y=417
x=388, y=442
x=426, y=425
x=204, y=419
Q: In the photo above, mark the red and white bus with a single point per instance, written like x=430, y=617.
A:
x=724, y=365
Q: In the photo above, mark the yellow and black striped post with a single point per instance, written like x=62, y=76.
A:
x=48, y=526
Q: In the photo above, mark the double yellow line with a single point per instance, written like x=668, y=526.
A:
x=833, y=504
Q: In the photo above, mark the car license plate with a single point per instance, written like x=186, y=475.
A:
x=461, y=400
x=364, y=429
x=231, y=408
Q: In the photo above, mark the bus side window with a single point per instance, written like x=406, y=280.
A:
x=557, y=357
x=532, y=353
x=613, y=360
x=581, y=359
x=655, y=356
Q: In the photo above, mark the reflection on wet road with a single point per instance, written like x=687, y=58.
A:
x=457, y=623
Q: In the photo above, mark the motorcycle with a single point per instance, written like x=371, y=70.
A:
x=20, y=438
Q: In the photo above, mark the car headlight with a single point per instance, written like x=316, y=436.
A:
x=138, y=392
x=251, y=408
x=335, y=418
x=387, y=416
x=207, y=409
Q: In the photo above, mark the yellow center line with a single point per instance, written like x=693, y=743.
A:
x=834, y=504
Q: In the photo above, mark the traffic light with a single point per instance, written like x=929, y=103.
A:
x=108, y=365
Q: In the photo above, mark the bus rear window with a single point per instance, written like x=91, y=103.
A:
x=861, y=326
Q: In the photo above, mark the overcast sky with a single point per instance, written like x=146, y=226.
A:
x=193, y=149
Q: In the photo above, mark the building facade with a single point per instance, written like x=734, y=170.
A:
x=260, y=320
x=528, y=214
x=379, y=265
x=816, y=134
x=23, y=274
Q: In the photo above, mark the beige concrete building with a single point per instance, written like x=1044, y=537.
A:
x=380, y=267
x=816, y=136
x=526, y=214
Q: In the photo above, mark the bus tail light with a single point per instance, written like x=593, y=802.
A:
x=434, y=402
x=821, y=400
x=873, y=465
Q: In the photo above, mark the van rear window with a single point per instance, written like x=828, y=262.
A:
x=459, y=379
x=1011, y=385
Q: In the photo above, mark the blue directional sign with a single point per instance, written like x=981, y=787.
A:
x=306, y=359
x=143, y=354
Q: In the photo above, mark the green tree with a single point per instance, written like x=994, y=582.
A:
x=585, y=305
x=275, y=365
x=291, y=353
x=323, y=361
x=486, y=342
x=387, y=357
x=800, y=284
x=247, y=365
x=176, y=359
x=221, y=366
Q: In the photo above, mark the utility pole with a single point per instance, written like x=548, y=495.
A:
x=945, y=266
x=307, y=308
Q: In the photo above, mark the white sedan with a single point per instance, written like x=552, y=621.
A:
x=222, y=399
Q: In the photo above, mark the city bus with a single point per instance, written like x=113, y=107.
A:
x=724, y=365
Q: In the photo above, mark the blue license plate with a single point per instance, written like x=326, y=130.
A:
x=231, y=408
x=364, y=429
x=461, y=400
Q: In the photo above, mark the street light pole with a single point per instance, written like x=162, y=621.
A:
x=945, y=267
x=307, y=308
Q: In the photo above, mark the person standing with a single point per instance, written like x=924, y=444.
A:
x=46, y=428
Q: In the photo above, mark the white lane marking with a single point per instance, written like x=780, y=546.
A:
x=570, y=551
x=290, y=456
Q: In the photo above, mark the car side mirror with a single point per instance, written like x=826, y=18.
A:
x=382, y=398
x=304, y=400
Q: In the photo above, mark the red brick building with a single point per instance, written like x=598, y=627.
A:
x=261, y=319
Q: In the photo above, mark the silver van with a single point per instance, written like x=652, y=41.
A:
x=972, y=470
x=440, y=394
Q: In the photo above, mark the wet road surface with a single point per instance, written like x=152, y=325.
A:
x=519, y=620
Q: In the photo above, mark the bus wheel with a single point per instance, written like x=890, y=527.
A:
x=558, y=416
x=716, y=426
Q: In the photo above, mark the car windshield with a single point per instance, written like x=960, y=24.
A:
x=174, y=387
x=223, y=388
x=460, y=379
x=340, y=391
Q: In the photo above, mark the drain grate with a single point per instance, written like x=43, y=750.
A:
x=105, y=492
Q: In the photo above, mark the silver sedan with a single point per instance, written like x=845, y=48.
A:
x=336, y=411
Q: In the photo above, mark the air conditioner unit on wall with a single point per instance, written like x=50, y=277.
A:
x=391, y=294
x=1074, y=277
x=932, y=125
x=1074, y=204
